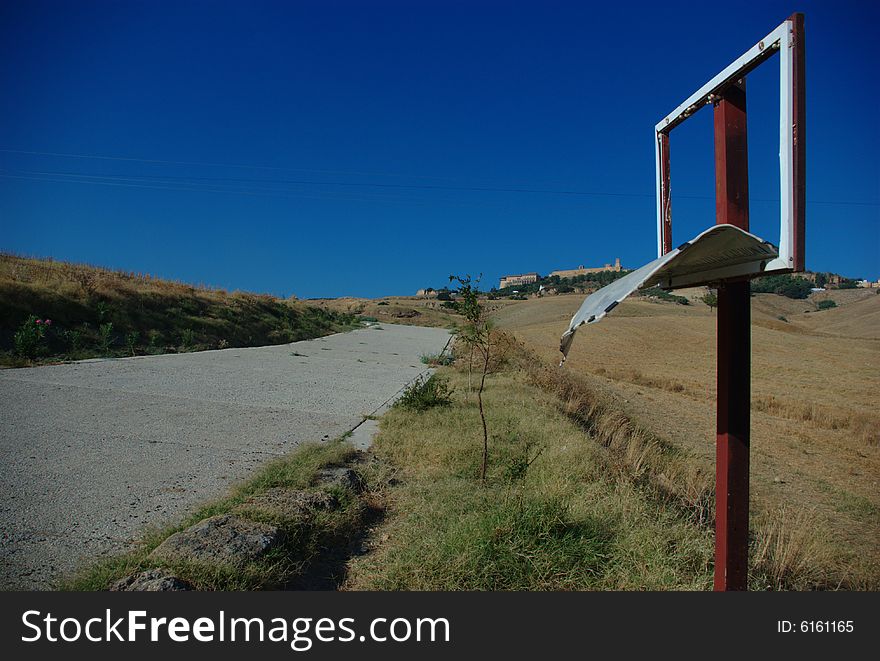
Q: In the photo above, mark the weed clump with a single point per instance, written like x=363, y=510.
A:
x=426, y=392
x=437, y=360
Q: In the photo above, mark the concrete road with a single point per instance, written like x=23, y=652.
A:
x=93, y=452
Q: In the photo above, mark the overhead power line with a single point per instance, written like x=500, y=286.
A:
x=250, y=192
x=192, y=181
x=353, y=184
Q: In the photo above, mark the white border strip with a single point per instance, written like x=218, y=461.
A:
x=780, y=39
x=786, y=151
x=698, y=99
x=659, y=194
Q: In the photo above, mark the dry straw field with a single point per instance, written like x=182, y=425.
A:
x=815, y=418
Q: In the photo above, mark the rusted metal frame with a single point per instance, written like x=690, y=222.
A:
x=799, y=140
x=788, y=39
x=733, y=351
x=664, y=196
x=747, y=62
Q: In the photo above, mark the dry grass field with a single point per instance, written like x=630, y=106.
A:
x=815, y=418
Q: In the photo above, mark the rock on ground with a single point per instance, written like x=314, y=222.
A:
x=226, y=539
x=292, y=504
x=340, y=476
x=151, y=580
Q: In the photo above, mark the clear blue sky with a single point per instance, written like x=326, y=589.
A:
x=369, y=148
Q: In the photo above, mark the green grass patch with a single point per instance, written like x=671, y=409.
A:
x=856, y=505
x=550, y=517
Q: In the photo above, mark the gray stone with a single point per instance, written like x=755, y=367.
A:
x=340, y=476
x=225, y=539
x=151, y=580
x=289, y=503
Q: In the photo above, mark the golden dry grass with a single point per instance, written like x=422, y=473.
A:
x=814, y=415
x=393, y=309
x=85, y=280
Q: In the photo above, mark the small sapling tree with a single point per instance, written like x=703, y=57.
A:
x=476, y=334
x=710, y=298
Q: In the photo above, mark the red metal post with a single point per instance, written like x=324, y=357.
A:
x=734, y=352
x=799, y=127
x=665, y=193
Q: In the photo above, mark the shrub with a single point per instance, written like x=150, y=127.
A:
x=73, y=338
x=29, y=337
x=663, y=295
x=102, y=310
x=436, y=360
x=826, y=304
x=131, y=340
x=425, y=393
x=784, y=285
x=105, y=336
x=155, y=338
x=187, y=337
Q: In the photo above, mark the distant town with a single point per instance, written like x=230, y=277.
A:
x=588, y=278
x=564, y=274
x=562, y=281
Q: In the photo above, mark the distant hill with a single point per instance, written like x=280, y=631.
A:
x=94, y=311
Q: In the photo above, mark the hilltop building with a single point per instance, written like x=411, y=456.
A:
x=517, y=280
x=581, y=270
x=832, y=279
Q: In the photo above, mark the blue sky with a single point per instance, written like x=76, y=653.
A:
x=354, y=148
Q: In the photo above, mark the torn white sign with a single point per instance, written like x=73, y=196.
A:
x=719, y=253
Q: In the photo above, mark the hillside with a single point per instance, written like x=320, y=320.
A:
x=101, y=312
x=393, y=310
x=815, y=423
